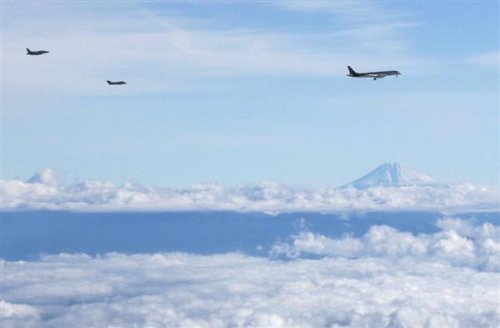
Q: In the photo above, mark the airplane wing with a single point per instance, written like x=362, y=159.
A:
x=377, y=75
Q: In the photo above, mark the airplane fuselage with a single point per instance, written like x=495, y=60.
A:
x=373, y=75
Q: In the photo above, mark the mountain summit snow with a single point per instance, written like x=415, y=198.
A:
x=391, y=174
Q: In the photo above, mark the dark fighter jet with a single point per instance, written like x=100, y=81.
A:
x=374, y=75
x=116, y=83
x=36, y=52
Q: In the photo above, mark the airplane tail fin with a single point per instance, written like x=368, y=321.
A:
x=109, y=82
x=28, y=50
x=351, y=71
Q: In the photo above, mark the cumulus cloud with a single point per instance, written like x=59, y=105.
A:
x=382, y=285
x=386, y=278
x=43, y=192
x=17, y=311
x=459, y=243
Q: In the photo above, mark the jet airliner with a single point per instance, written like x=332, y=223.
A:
x=374, y=75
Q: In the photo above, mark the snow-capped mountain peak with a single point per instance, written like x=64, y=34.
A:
x=392, y=174
x=47, y=176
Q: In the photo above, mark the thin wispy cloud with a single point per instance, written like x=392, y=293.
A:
x=351, y=10
x=87, y=46
x=488, y=59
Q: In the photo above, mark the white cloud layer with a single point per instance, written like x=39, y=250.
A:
x=459, y=243
x=43, y=192
x=393, y=279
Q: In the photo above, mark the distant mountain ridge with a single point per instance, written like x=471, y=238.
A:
x=391, y=174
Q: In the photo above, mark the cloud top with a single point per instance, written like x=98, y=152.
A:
x=459, y=243
x=387, y=278
x=43, y=192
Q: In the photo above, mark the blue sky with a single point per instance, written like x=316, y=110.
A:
x=240, y=92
